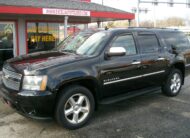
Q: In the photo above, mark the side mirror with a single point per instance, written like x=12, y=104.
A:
x=116, y=51
x=174, y=49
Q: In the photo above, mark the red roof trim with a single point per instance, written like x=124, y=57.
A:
x=82, y=0
x=20, y=10
x=34, y=10
x=112, y=15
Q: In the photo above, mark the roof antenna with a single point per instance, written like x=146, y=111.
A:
x=106, y=28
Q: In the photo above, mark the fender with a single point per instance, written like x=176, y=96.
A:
x=74, y=76
x=176, y=60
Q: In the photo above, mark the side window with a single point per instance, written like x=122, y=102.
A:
x=148, y=43
x=127, y=42
x=177, y=39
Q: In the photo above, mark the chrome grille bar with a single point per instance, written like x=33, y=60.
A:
x=11, y=79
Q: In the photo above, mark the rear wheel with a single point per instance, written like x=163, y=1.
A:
x=173, y=83
x=75, y=107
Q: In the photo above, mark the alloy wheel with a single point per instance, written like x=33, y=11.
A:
x=175, y=83
x=77, y=108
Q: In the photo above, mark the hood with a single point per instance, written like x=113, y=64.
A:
x=40, y=60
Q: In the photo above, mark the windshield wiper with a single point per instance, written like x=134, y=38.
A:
x=67, y=51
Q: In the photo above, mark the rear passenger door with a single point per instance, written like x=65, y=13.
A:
x=154, y=62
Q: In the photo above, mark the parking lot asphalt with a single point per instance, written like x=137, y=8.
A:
x=151, y=115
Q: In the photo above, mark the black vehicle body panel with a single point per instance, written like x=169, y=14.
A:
x=110, y=76
x=30, y=106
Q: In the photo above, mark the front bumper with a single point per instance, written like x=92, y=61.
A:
x=39, y=106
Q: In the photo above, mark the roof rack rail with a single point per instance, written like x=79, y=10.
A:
x=151, y=28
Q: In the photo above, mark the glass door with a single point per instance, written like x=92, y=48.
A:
x=7, y=41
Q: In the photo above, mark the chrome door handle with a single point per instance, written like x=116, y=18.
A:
x=136, y=63
x=160, y=59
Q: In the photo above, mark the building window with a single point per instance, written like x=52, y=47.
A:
x=43, y=36
x=7, y=41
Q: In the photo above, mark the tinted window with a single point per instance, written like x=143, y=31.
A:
x=177, y=39
x=127, y=42
x=148, y=43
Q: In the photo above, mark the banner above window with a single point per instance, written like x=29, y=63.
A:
x=52, y=11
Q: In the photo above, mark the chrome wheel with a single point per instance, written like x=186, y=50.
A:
x=77, y=108
x=175, y=83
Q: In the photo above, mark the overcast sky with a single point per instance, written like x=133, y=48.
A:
x=162, y=10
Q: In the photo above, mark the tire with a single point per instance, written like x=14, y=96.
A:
x=173, y=86
x=75, y=107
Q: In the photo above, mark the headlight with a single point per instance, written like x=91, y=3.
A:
x=37, y=83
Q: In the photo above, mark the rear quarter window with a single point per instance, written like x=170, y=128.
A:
x=177, y=39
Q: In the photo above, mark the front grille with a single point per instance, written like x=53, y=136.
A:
x=11, y=79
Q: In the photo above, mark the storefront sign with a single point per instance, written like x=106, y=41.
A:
x=45, y=38
x=51, y=11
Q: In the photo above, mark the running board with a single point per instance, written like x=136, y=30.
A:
x=129, y=95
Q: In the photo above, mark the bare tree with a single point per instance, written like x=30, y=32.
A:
x=110, y=24
x=147, y=24
x=172, y=21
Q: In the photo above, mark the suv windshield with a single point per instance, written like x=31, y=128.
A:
x=83, y=43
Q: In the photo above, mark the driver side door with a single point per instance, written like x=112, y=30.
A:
x=119, y=74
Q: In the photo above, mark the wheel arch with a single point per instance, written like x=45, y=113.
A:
x=88, y=82
x=181, y=66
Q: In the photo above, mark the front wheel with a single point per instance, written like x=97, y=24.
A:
x=75, y=107
x=173, y=83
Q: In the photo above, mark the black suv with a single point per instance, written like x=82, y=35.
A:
x=95, y=67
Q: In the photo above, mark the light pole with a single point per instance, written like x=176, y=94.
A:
x=138, y=12
x=154, y=13
x=102, y=24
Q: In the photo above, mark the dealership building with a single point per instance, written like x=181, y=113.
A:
x=28, y=26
